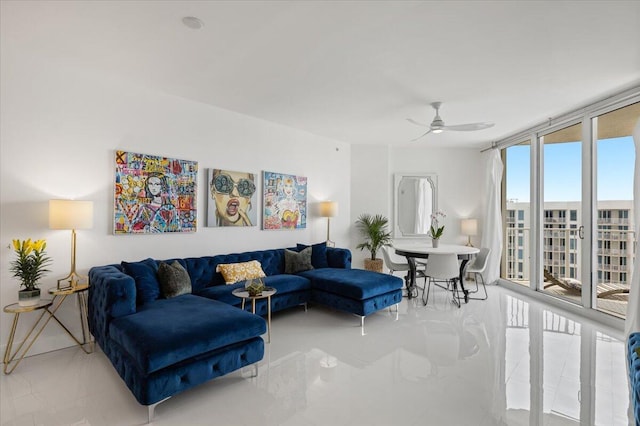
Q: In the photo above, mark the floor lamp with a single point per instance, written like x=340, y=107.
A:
x=329, y=209
x=71, y=214
x=469, y=227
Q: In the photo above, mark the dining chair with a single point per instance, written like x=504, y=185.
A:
x=477, y=268
x=399, y=265
x=442, y=267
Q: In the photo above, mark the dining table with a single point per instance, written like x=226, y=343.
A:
x=421, y=250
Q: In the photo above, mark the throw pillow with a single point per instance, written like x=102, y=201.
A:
x=174, y=280
x=295, y=262
x=145, y=275
x=235, y=272
x=318, y=254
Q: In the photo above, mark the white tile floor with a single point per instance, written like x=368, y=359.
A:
x=505, y=361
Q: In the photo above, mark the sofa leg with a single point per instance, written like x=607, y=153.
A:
x=151, y=409
x=255, y=370
x=305, y=306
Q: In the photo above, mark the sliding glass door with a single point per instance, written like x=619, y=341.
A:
x=561, y=214
x=568, y=208
x=615, y=239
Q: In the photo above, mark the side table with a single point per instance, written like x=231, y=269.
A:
x=266, y=294
x=49, y=307
x=81, y=292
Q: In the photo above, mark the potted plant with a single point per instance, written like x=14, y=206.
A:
x=29, y=268
x=376, y=235
x=435, y=231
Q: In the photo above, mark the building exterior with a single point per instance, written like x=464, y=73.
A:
x=562, y=251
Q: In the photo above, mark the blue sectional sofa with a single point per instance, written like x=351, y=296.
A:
x=162, y=346
x=633, y=348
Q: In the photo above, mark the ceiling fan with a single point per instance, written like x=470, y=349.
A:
x=438, y=126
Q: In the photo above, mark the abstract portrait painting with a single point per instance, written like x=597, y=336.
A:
x=154, y=194
x=284, y=201
x=232, y=198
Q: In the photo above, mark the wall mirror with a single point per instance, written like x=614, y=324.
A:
x=415, y=200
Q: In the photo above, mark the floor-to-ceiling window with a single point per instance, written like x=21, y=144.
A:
x=615, y=239
x=518, y=212
x=562, y=212
x=568, y=206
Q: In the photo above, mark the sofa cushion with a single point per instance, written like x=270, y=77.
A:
x=284, y=283
x=353, y=283
x=297, y=261
x=236, y=272
x=168, y=331
x=318, y=254
x=174, y=279
x=145, y=273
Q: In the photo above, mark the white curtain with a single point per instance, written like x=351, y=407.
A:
x=492, y=232
x=423, y=207
x=632, y=323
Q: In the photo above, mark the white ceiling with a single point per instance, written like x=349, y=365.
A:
x=352, y=71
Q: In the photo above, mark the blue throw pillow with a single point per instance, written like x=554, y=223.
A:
x=145, y=273
x=318, y=254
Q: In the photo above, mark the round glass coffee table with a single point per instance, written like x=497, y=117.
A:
x=267, y=292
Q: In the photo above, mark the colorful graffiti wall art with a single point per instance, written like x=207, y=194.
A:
x=284, y=201
x=154, y=194
x=232, y=198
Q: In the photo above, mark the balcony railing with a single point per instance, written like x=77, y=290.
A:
x=554, y=255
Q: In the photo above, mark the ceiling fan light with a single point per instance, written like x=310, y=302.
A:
x=436, y=131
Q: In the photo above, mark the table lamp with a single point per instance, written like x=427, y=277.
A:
x=469, y=228
x=71, y=214
x=329, y=209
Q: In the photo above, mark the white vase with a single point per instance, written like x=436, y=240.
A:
x=28, y=297
x=434, y=242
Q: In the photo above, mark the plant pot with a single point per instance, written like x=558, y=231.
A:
x=254, y=287
x=28, y=297
x=373, y=265
x=435, y=242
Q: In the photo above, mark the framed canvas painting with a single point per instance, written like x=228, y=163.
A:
x=154, y=194
x=232, y=198
x=284, y=201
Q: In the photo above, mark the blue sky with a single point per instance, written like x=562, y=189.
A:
x=563, y=170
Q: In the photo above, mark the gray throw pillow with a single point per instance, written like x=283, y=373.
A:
x=297, y=261
x=174, y=279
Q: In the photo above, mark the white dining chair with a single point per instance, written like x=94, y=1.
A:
x=477, y=268
x=442, y=267
x=398, y=263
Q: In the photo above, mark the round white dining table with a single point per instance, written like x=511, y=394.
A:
x=415, y=250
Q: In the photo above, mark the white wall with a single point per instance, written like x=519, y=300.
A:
x=461, y=176
x=60, y=126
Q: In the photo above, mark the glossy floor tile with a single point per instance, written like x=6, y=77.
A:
x=508, y=360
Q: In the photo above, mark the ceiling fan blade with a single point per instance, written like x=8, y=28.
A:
x=469, y=127
x=421, y=136
x=411, y=120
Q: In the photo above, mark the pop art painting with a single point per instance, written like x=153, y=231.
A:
x=154, y=194
x=232, y=198
x=284, y=201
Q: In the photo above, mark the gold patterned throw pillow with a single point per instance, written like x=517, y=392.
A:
x=235, y=272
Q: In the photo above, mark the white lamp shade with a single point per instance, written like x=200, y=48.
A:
x=469, y=227
x=70, y=214
x=328, y=209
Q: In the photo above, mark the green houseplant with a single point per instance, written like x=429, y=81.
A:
x=29, y=267
x=375, y=233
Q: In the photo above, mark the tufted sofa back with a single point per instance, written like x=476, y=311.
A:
x=202, y=270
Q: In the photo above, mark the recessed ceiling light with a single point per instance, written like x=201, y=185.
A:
x=192, y=22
